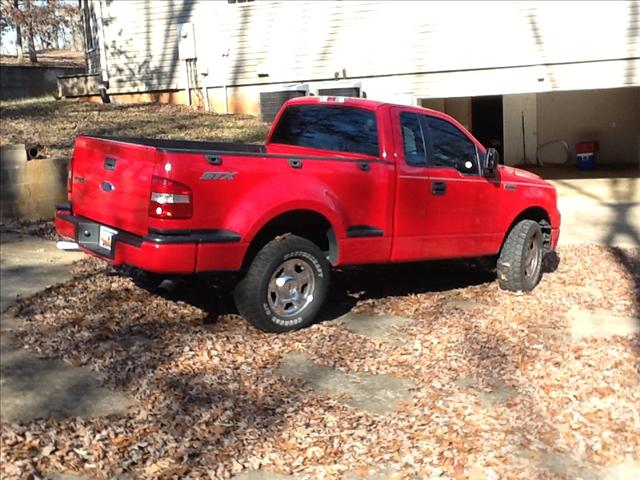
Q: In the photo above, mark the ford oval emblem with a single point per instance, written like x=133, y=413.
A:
x=107, y=186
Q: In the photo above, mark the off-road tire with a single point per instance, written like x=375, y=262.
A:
x=523, y=245
x=254, y=295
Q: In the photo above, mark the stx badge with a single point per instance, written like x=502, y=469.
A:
x=218, y=175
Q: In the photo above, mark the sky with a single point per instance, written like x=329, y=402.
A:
x=8, y=42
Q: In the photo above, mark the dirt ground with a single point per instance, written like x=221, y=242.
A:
x=421, y=371
x=53, y=124
x=58, y=57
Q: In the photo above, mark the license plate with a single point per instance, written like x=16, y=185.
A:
x=105, y=238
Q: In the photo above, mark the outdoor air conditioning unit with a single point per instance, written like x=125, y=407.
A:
x=339, y=88
x=272, y=101
x=340, y=92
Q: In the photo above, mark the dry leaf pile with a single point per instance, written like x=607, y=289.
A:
x=501, y=390
x=39, y=228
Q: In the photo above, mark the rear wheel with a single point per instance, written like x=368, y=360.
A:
x=285, y=285
x=519, y=266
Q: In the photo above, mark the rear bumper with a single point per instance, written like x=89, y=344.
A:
x=181, y=252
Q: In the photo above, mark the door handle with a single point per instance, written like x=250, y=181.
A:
x=438, y=188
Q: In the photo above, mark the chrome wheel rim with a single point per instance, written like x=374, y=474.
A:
x=291, y=287
x=532, y=259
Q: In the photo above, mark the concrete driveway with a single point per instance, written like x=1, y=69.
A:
x=599, y=210
x=34, y=387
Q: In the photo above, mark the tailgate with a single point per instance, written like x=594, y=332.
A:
x=111, y=183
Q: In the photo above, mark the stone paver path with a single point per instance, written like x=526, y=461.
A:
x=377, y=394
x=600, y=323
x=385, y=327
x=34, y=387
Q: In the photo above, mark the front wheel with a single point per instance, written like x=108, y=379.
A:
x=519, y=266
x=285, y=285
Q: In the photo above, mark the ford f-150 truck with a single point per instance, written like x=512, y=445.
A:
x=340, y=181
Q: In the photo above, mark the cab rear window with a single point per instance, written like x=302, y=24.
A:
x=342, y=129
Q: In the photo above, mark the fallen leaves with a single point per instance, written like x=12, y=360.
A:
x=54, y=124
x=38, y=228
x=500, y=391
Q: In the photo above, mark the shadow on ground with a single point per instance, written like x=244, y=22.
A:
x=348, y=285
x=35, y=388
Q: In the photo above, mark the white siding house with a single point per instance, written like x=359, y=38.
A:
x=440, y=54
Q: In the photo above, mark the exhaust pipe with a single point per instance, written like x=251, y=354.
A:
x=33, y=152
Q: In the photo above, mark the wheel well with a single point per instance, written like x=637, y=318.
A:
x=303, y=223
x=537, y=214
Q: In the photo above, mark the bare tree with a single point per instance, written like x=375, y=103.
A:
x=19, y=16
x=42, y=22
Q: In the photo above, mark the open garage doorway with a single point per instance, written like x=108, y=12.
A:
x=482, y=116
x=486, y=122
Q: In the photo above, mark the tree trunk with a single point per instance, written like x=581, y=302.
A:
x=19, y=45
x=19, y=51
x=33, y=58
x=30, y=34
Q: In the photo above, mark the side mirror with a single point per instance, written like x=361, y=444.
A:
x=491, y=161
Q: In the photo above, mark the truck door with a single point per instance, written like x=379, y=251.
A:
x=444, y=207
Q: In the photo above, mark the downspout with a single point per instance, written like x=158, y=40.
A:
x=97, y=4
x=187, y=73
x=225, y=55
x=524, y=143
x=205, y=91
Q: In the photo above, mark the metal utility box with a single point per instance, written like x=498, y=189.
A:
x=186, y=42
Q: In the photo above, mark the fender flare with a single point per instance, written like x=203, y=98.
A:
x=260, y=206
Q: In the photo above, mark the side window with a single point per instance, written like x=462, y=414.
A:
x=413, y=139
x=451, y=147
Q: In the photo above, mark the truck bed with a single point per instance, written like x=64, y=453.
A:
x=186, y=146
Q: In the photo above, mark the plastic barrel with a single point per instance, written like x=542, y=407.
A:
x=586, y=161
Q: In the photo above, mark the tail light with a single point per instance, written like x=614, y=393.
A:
x=170, y=199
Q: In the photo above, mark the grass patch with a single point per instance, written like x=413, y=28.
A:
x=55, y=124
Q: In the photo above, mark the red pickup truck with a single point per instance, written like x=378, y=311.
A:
x=340, y=181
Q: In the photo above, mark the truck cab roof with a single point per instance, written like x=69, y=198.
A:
x=359, y=103
x=331, y=99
